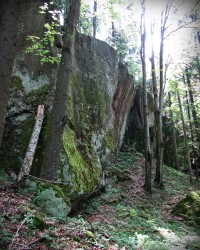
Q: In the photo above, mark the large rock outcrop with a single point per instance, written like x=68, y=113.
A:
x=99, y=97
x=98, y=102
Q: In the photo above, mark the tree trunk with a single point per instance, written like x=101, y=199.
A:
x=113, y=30
x=95, y=19
x=158, y=120
x=185, y=137
x=66, y=70
x=198, y=67
x=28, y=160
x=189, y=116
x=194, y=114
x=148, y=156
x=176, y=158
x=156, y=107
x=9, y=21
x=192, y=135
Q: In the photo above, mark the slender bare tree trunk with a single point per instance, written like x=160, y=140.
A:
x=185, y=137
x=194, y=113
x=198, y=67
x=192, y=135
x=176, y=158
x=95, y=19
x=28, y=160
x=148, y=156
x=189, y=116
x=158, y=117
x=65, y=74
x=156, y=107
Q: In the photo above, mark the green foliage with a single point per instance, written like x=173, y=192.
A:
x=178, y=86
x=119, y=42
x=134, y=69
x=149, y=244
x=5, y=238
x=42, y=46
x=85, y=20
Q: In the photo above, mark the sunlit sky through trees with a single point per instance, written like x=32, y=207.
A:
x=179, y=46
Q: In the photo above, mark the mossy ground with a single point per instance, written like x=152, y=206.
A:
x=124, y=217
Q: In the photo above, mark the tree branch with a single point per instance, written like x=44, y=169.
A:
x=180, y=27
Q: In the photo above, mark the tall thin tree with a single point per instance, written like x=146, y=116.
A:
x=193, y=109
x=148, y=156
x=176, y=158
x=158, y=116
x=65, y=74
x=185, y=134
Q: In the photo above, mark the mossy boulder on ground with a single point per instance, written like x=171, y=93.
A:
x=189, y=207
x=51, y=198
x=53, y=205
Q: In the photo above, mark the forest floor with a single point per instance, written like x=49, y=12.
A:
x=121, y=218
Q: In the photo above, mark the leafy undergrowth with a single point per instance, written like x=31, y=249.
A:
x=123, y=217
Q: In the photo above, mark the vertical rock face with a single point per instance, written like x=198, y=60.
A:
x=98, y=102
x=134, y=133
x=32, y=84
x=99, y=98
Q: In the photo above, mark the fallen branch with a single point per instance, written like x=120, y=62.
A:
x=43, y=180
x=17, y=233
x=28, y=160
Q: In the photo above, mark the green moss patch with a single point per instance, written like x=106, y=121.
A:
x=82, y=163
x=189, y=207
x=108, y=140
x=16, y=82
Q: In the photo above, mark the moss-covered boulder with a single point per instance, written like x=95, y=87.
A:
x=98, y=100
x=51, y=198
x=92, y=123
x=52, y=203
x=189, y=207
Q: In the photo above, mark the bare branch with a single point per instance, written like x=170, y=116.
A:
x=198, y=1
x=179, y=6
x=17, y=233
x=180, y=27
